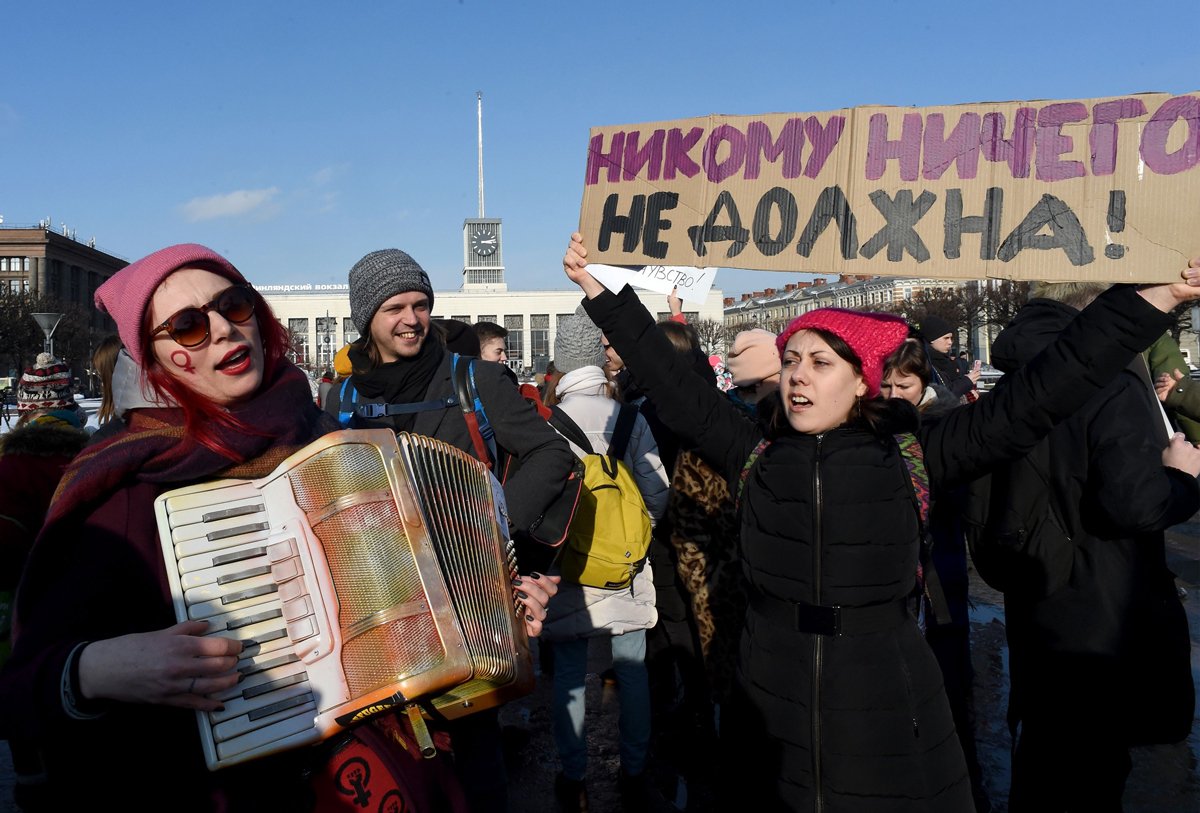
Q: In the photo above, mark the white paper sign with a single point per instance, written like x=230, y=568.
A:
x=690, y=284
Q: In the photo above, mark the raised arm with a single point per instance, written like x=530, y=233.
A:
x=691, y=408
x=1026, y=405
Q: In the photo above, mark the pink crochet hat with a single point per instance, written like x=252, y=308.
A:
x=126, y=295
x=872, y=337
x=753, y=357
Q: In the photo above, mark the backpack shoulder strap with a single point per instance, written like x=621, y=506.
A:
x=349, y=407
x=623, y=431
x=349, y=400
x=928, y=581
x=570, y=430
x=913, y=455
x=755, y=454
x=483, y=438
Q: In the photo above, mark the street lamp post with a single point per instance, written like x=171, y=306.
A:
x=48, y=322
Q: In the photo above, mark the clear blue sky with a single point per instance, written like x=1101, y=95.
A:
x=294, y=137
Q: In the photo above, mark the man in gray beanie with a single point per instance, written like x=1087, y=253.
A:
x=578, y=343
x=403, y=380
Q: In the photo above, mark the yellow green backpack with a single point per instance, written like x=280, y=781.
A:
x=609, y=536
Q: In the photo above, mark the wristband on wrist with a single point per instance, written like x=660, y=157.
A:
x=74, y=703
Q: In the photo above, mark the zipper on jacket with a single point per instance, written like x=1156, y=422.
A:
x=819, y=802
x=912, y=702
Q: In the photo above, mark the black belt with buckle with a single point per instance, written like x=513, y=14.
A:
x=820, y=620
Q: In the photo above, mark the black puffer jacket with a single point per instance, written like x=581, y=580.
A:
x=1118, y=619
x=855, y=722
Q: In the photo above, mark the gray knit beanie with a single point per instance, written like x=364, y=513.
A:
x=577, y=343
x=378, y=277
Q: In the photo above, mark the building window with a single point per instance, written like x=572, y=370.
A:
x=466, y=319
x=539, y=339
x=326, y=341
x=349, y=331
x=298, y=328
x=515, y=344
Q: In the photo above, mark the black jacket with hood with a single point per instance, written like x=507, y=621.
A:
x=1118, y=619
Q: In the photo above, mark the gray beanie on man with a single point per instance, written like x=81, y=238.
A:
x=378, y=277
x=577, y=343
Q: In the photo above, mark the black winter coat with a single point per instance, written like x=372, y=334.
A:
x=1118, y=622
x=545, y=458
x=855, y=722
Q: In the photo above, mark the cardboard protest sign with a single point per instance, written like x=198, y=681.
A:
x=1098, y=189
x=690, y=284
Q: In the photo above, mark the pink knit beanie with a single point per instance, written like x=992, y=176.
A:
x=126, y=295
x=753, y=357
x=872, y=337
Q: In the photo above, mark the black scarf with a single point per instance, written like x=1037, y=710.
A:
x=403, y=381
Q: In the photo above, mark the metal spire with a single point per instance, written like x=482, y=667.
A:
x=479, y=115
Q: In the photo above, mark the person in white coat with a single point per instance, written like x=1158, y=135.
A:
x=579, y=613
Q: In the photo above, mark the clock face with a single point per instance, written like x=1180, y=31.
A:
x=484, y=242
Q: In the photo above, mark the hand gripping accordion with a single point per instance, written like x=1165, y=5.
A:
x=368, y=572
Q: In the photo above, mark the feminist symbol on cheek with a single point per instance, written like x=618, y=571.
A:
x=181, y=359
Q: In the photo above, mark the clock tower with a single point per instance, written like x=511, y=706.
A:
x=483, y=260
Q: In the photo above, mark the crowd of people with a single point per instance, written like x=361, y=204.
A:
x=799, y=626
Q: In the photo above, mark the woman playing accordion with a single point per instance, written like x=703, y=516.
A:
x=102, y=677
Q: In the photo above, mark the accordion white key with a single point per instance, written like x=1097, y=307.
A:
x=368, y=571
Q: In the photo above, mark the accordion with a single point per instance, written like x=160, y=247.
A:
x=368, y=571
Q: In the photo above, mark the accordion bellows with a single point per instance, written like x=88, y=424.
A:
x=368, y=571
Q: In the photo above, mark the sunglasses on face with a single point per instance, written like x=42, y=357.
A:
x=189, y=327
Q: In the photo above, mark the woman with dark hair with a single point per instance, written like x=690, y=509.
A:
x=101, y=676
x=104, y=361
x=839, y=704
x=907, y=375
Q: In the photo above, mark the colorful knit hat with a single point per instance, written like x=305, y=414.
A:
x=872, y=337
x=45, y=385
x=126, y=295
x=753, y=357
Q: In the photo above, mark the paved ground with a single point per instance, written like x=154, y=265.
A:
x=1165, y=778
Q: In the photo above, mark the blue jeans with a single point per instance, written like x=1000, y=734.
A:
x=633, y=687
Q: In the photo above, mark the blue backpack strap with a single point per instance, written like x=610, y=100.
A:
x=349, y=406
x=387, y=410
x=349, y=399
x=483, y=437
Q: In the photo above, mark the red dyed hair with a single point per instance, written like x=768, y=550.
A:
x=200, y=413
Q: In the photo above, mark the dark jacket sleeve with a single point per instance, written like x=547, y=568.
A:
x=1027, y=403
x=87, y=579
x=545, y=458
x=1128, y=490
x=699, y=414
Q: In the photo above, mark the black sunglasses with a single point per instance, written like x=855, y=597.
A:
x=189, y=327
